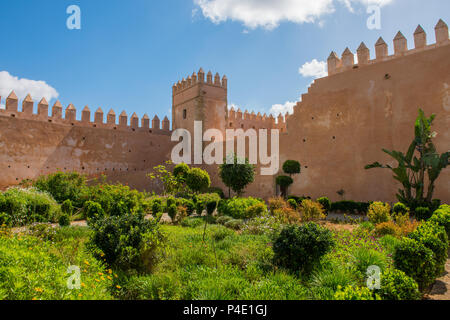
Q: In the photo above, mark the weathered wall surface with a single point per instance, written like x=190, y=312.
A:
x=30, y=147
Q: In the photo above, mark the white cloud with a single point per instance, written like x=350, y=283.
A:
x=315, y=69
x=22, y=87
x=282, y=108
x=269, y=14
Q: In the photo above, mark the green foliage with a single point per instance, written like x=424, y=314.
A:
x=256, y=210
x=325, y=202
x=311, y=211
x=64, y=220
x=238, y=207
x=224, y=219
x=180, y=171
x=414, y=171
x=291, y=167
x=25, y=206
x=192, y=222
x=434, y=237
x=117, y=199
x=284, y=182
x=292, y=203
x=172, y=211
x=442, y=217
x=300, y=248
x=350, y=206
x=396, y=285
x=235, y=224
x=400, y=208
x=64, y=186
x=93, y=210
x=379, y=212
x=171, y=184
x=237, y=174
x=67, y=207
x=363, y=258
x=355, y=293
x=126, y=242
x=422, y=213
x=198, y=180
x=217, y=191
x=416, y=261
x=35, y=269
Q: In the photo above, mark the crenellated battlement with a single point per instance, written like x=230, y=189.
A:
x=70, y=116
x=347, y=60
x=249, y=120
x=199, y=78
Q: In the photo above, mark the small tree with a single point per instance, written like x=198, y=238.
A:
x=198, y=180
x=284, y=182
x=180, y=171
x=291, y=167
x=237, y=176
x=412, y=170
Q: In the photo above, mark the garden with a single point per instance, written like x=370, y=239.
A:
x=65, y=237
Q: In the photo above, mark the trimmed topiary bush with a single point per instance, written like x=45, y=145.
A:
x=434, y=237
x=442, y=217
x=180, y=171
x=300, y=248
x=157, y=206
x=379, y=212
x=64, y=220
x=198, y=180
x=172, y=211
x=325, y=202
x=416, y=261
x=93, y=210
x=422, y=213
x=396, y=285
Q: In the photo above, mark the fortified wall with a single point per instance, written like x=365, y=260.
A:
x=339, y=126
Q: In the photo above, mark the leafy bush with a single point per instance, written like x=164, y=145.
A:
x=218, y=191
x=224, y=219
x=172, y=211
x=67, y=207
x=422, y=213
x=400, y=208
x=350, y=206
x=416, y=261
x=364, y=258
x=93, y=210
x=25, y=206
x=379, y=212
x=237, y=207
x=277, y=203
x=117, y=199
x=235, y=224
x=64, y=220
x=236, y=174
x=287, y=215
x=180, y=171
x=263, y=225
x=434, y=237
x=300, y=248
x=442, y=218
x=64, y=186
x=311, y=211
x=126, y=242
x=257, y=210
x=157, y=206
x=291, y=167
x=396, y=285
x=355, y=293
x=325, y=202
x=387, y=228
x=198, y=180
x=284, y=182
x=170, y=201
x=292, y=203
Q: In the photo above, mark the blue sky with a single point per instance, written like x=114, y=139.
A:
x=128, y=54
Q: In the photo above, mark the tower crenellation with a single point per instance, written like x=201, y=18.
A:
x=336, y=65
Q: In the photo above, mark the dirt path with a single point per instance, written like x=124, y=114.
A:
x=441, y=289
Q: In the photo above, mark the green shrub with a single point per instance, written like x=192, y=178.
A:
x=379, y=212
x=400, y=208
x=64, y=186
x=93, y=210
x=157, y=206
x=211, y=207
x=442, y=218
x=311, y=211
x=350, y=206
x=117, y=199
x=170, y=201
x=355, y=293
x=300, y=248
x=263, y=225
x=291, y=167
x=64, y=220
x=292, y=203
x=67, y=207
x=422, y=213
x=387, y=228
x=396, y=285
x=172, y=211
x=416, y=261
x=364, y=258
x=5, y=219
x=325, y=202
x=235, y=224
x=257, y=210
x=190, y=207
x=434, y=237
x=218, y=191
x=284, y=181
x=198, y=180
x=25, y=206
x=237, y=207
x=126, y=242
x=180, y=171
x=224, y=219
x=219, y=232
x=192, y=222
